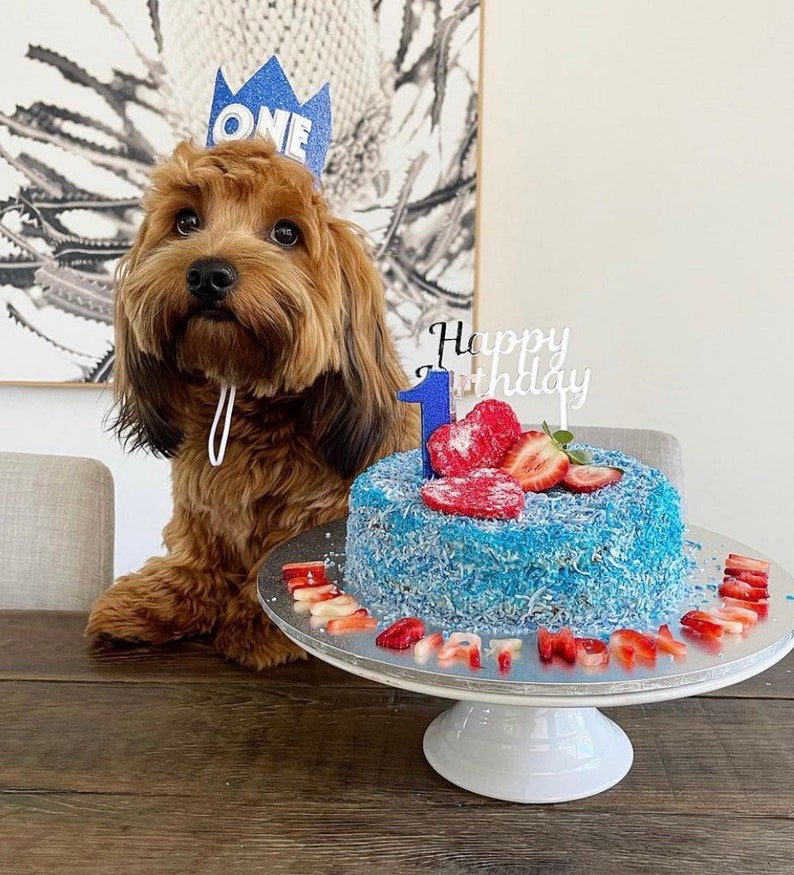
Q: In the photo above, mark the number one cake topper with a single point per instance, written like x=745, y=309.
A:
x=434, y=394
x=267, y=106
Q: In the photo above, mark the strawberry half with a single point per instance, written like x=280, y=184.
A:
x=402, y=634
x=629, y=645
x=665, y=641
x=746, y=563
x=588, y=478
x=591, y=652
x=479, y=440
x=738, y=589
x=705, y=625
x=536, y=461
x=485, y=494
x=734, y=613
x=425, y=647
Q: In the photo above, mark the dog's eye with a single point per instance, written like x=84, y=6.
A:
x=187, y=221
x=285, y=233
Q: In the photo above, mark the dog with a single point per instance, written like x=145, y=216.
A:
x=241, y=278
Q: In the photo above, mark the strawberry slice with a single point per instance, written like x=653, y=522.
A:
x=562, y=644
x=735, y=614
x=761, y=581
x=479, y=440
x=738, y=589
x=303, y=569
x=360, y=621
x=485, y=494
x=665, y=641
x=732, y=627
x=536, y=461
x=299, y=582
x=705, y=625
x=315, y=593
x=401, y=634
x=760, y=609
x=338, y=606
x=746, y=563
x=464, y=646
x=588, y=478
x=591, y=652
x=425, y=647
x=505, y=650
x=629, y=645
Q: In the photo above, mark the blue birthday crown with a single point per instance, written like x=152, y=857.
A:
x=267, y=105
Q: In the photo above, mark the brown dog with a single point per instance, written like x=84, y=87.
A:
x=241, y=277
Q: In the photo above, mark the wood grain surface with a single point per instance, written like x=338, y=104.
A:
x=129, y=760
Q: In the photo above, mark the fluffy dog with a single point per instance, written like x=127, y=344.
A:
x=241, y=277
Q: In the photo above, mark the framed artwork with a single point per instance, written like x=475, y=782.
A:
x=95, y=91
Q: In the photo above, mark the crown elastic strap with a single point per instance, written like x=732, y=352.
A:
x=216, y=460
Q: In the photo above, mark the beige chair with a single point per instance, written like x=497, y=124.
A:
x=56, y=531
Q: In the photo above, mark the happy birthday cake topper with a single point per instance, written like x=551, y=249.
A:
x=539, y=370
x=267, y=106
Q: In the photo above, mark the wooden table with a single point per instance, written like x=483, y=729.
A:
x=171, y=761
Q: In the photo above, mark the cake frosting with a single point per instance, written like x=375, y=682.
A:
x=592, y=561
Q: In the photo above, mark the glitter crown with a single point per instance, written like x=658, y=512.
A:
x=267, y=106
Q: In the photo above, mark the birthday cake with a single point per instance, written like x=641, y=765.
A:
x=488, y=547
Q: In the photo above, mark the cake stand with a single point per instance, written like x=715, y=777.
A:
x=536, y=735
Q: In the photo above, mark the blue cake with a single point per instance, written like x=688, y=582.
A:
x=594, y=561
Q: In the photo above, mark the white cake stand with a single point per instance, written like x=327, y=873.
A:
x=537, y=735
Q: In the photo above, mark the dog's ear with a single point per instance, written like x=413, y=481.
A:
x=144, y=386
x=354, y=411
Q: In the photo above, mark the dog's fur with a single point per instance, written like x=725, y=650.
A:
x=303, y=338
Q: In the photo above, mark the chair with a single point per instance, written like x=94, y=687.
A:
x=56, y=531
x=655, y=448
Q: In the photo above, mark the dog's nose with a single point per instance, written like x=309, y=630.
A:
x=210, y=279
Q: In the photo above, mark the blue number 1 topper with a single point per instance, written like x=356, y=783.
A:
x=434, y=394
x=267, y=106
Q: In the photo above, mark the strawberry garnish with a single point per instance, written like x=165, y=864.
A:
x=402, y=634
x=760, y=609
x=428, y=645
x=359, y=621
x=479, y=440
x=746, y=563
x=706, y=626
x=628, y=645
x=665, y=641
x=303, y=569
x=339, y=606
x=300, y=581
x=738, y=589
x=733, y=627
x=591, y=652
x=464, y=646
x=562, y=644
x=485, y=494
x=588, y=478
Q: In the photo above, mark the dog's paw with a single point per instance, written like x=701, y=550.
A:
x=248, y=637
x=155, y=607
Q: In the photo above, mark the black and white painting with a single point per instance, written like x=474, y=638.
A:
x=95, y=91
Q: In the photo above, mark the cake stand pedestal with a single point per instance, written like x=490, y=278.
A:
x=536, y=736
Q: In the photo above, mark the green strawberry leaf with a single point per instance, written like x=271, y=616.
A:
x=547, y=430
x=579, y=457
x=562, y=437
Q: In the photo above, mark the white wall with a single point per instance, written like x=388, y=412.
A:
x=637, y=185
